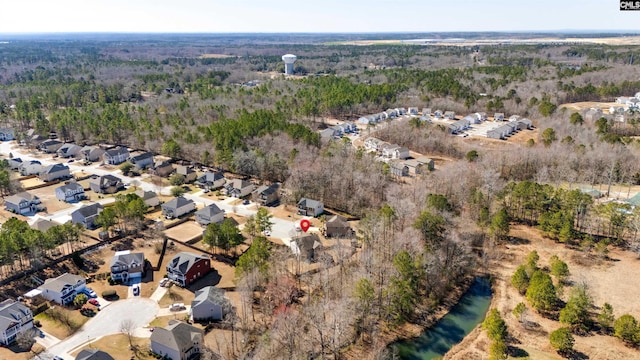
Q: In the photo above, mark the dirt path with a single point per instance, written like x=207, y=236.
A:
x=613, y=281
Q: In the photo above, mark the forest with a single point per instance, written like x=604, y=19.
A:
x=419, y=241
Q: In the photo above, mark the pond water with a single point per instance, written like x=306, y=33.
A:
x=452, y=328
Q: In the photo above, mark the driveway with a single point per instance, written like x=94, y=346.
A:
x=140, y=311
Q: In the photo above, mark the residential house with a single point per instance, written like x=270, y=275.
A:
x=106, y=184
x=126, y=265
x=43, y=224
x=31, y=167
x=482, y=116
x=15, y=318
x=622, y=100
x=71, y=192
x=177, y=341
x=62, y=289
x=23, y=203
x=162, y=168
x=413, y=111
x=500, y=132
x=308, y=207
x=209, y=304
x=211, y=180
x=524, y=123
x=177, y=207
x=305, y=246
x=68, y=150
x=209, y=214
x=400, y=153
x=337, y=226
x=186, y=267
x=472, y=119
x=450, y=115
x=266, y=195
x=330, y=133
x=458, y=126
x=86, y=215
x=141, y=161
x=93, y=354
x=388, y=150
x=426, y=112
x=401, y=111
x=398, y=168
x=91, y=153
x=50, y=146
x=391, y=113
x=6, y=134
x=239, y=188
x=188, y=172
x=348, y=127
x=363, y=120
x=54, y=172
x=116, y=156
x=150, y=198
x=616, y=110
x=437, y=114
x=426, y=162
x=498, y=117
x=14, y=163
x=373, y=144
x=513, y=118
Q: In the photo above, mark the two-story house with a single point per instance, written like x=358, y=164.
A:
x=106, y=184
x=91, y=153
x=126, y=265
x=188, y=172
x=149, y=197
x=239, y=188
x=267, y=194
x=23, y=203
x=116, y=156
x=186, y=267
x=211, y=180
x=162, y=168
x=209, y=303
x=50, y=146
x=6, y=134
x=87, y=215
x=63, y=289
x=93, y=354
x=54, y=172
x=71, y=192
x=31, y=167
x=177, y=341
x=68, y=150
x=15, y=318
x=177, y=207
x=209, y=214
x=308, y=207
x=141, y=161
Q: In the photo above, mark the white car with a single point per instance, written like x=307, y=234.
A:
x=267, y=233
x=177, y=307
x=164, y=282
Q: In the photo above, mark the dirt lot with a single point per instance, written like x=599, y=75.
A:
x=185, y=232
x=613, y=281
x=13, y=353
x=48, y=197
x=585, y=105
x=118, y=347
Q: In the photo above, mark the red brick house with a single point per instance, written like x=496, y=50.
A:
x=185, y=268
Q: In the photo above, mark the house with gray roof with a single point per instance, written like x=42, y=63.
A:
x=68, y=150
x=188, y=172
x=239, y=188
x=62, y=289
x=116, y=156
x=305, y=246
x=86, y=215
x=71, y=192
x=211, y=180
x=498, y=117
x=162, y=168
x=54, y=172
x=209, y=214
x=31, y=167
x=177, y=207
x=337, y=226
x=177, y=341
x=106, y=184
x=150, y=198
x=6, y=134
x=141, y=161
x=93, y=354
x=186, y=267
x=50, y=146
x=309, y=207
x=14, y=163
x=398, y=168
x=126, y=265
x=15, y=318
x=91, y=153
x=266, y=195
x=23, y=203
x=43, y=224
x=210, y=304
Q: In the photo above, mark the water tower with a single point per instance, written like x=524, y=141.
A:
x=288, y=59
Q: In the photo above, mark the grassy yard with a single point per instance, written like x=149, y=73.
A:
x=13, y=353
x=176, y=294
x=61, y=322
x=118, y=347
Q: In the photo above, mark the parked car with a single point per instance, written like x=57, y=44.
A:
x=164, y=282
x=90, y=293
x=136, y=290
x=93, y=302
x=177, y=307
x=245, y=202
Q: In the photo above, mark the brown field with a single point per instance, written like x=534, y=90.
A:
x=118, y=347
x=13, y=353
x=621, y=40
x=611, y=281
x=185, y=232
x=578, y=106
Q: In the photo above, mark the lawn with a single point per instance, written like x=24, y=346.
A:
x=13, y=353
x=118, y=347
x=61, y=322
x=176, y=294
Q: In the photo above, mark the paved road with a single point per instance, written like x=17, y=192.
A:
x=140, y=311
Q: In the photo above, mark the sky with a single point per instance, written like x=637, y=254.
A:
x=355, y=16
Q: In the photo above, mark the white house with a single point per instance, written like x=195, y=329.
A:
x=413, y=111
x=6, y=134
x=373, y=144
x=450, y=115
x=142, y=161
x=209, y=214
x=498, y=117
x=239, y=188
x=23, y=203
x=209, y=304
x=32, y=167
x=68, y=150
x=15, y=318
x=308, y=207
x=149, y=197
x=437, y=114
x=116, y=155
x=177, y=341
x=70, y=192
x=63, y=289
x=177, y=207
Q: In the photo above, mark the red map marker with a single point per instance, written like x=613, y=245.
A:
x=305, y=225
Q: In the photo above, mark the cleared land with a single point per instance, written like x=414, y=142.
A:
x=622, y=40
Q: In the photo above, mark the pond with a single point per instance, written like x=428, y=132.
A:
x=452, y=328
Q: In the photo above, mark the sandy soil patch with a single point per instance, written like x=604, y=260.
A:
x=118, y=347
x=585, y=105
x=48, y=197
x=611, y=281
x=185, y=232
x=14, y=354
